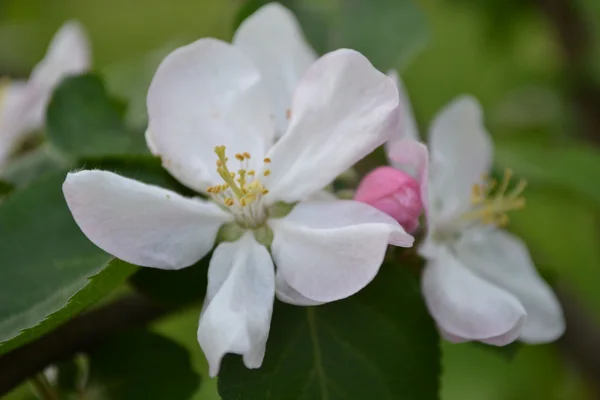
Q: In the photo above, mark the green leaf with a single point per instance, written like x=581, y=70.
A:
x=174, y=288
x=35, y=164
x=83, y=121
x=508, y=352
x=142, y=365
x=571, y=166
x=379, y=344
x=47, y=264
x=388, y=32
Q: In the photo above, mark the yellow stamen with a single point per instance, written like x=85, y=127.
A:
x=246, y=155
x=491, y=206
x=267, y=172
x=228, y=201
x=239, y=156
x=267, y=160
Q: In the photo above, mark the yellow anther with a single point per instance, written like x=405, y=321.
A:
x=264, y=191
x=243, y=202
x=247, y=155
x=491, y=206
x=251, y=172
x=239, y=156
x=267, y=172
x=229, y=201
x=267, y=160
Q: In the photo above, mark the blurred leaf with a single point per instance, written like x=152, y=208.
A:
x=82, y=121
x=508, y=352
x=388, y=32
x=181, y=327
x=33, y=165
x=378, y=344
x=142, y=365
x=174, y=288
x=574, y=166
x=47, y=264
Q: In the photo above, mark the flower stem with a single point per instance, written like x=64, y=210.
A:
x=44, y=389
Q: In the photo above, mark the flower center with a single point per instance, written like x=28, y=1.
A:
x=242, y=191
x=491, y=202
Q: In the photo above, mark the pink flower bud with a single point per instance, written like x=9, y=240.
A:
x=394, y=192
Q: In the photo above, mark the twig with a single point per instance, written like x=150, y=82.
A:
x=77, y=335
x=580, y=342
x=43, y=387
x=576, y=41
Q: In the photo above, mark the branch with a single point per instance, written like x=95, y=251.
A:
x=77, y=335
x=580, y=341
x=576, y=41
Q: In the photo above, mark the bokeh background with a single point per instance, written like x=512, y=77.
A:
x=534, y=65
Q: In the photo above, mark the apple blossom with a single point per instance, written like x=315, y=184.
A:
x=211, y=107
x=479, y=281
x=23, y=103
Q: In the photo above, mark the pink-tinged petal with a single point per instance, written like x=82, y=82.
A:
x=273, y=39
x=239, y=303
x=413, y=157
x=395, y=193
x=503, y=259
x=139, y=223
x=329, y=250
x=467, y=307
x=342, y=110
x=203, y=95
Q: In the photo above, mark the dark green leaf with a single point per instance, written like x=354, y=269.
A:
x=35, y=164
x=388, y=32
x=142, y=365
x=379, y=344
x=173, y=288
x=83, y=121
x=47, y=264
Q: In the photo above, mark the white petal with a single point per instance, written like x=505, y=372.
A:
x=289, y=295
x=16, y=101
x=329, y=250
x=468, y=307
x=460, y=151
x=241, y=290
x=204, y=95
x=272, y=37
x=342, y=110
x=408, y=125
x=503, y=259
x=68, y=54
x=139, y=223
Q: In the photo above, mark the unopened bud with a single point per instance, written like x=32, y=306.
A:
x=394, y=192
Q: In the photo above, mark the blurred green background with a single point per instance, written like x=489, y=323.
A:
x=505, y=52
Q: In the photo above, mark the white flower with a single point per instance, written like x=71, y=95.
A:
x=479, y=281
x=23, y=103
x=210, y=109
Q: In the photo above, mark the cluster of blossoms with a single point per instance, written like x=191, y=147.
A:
x=292, y=123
